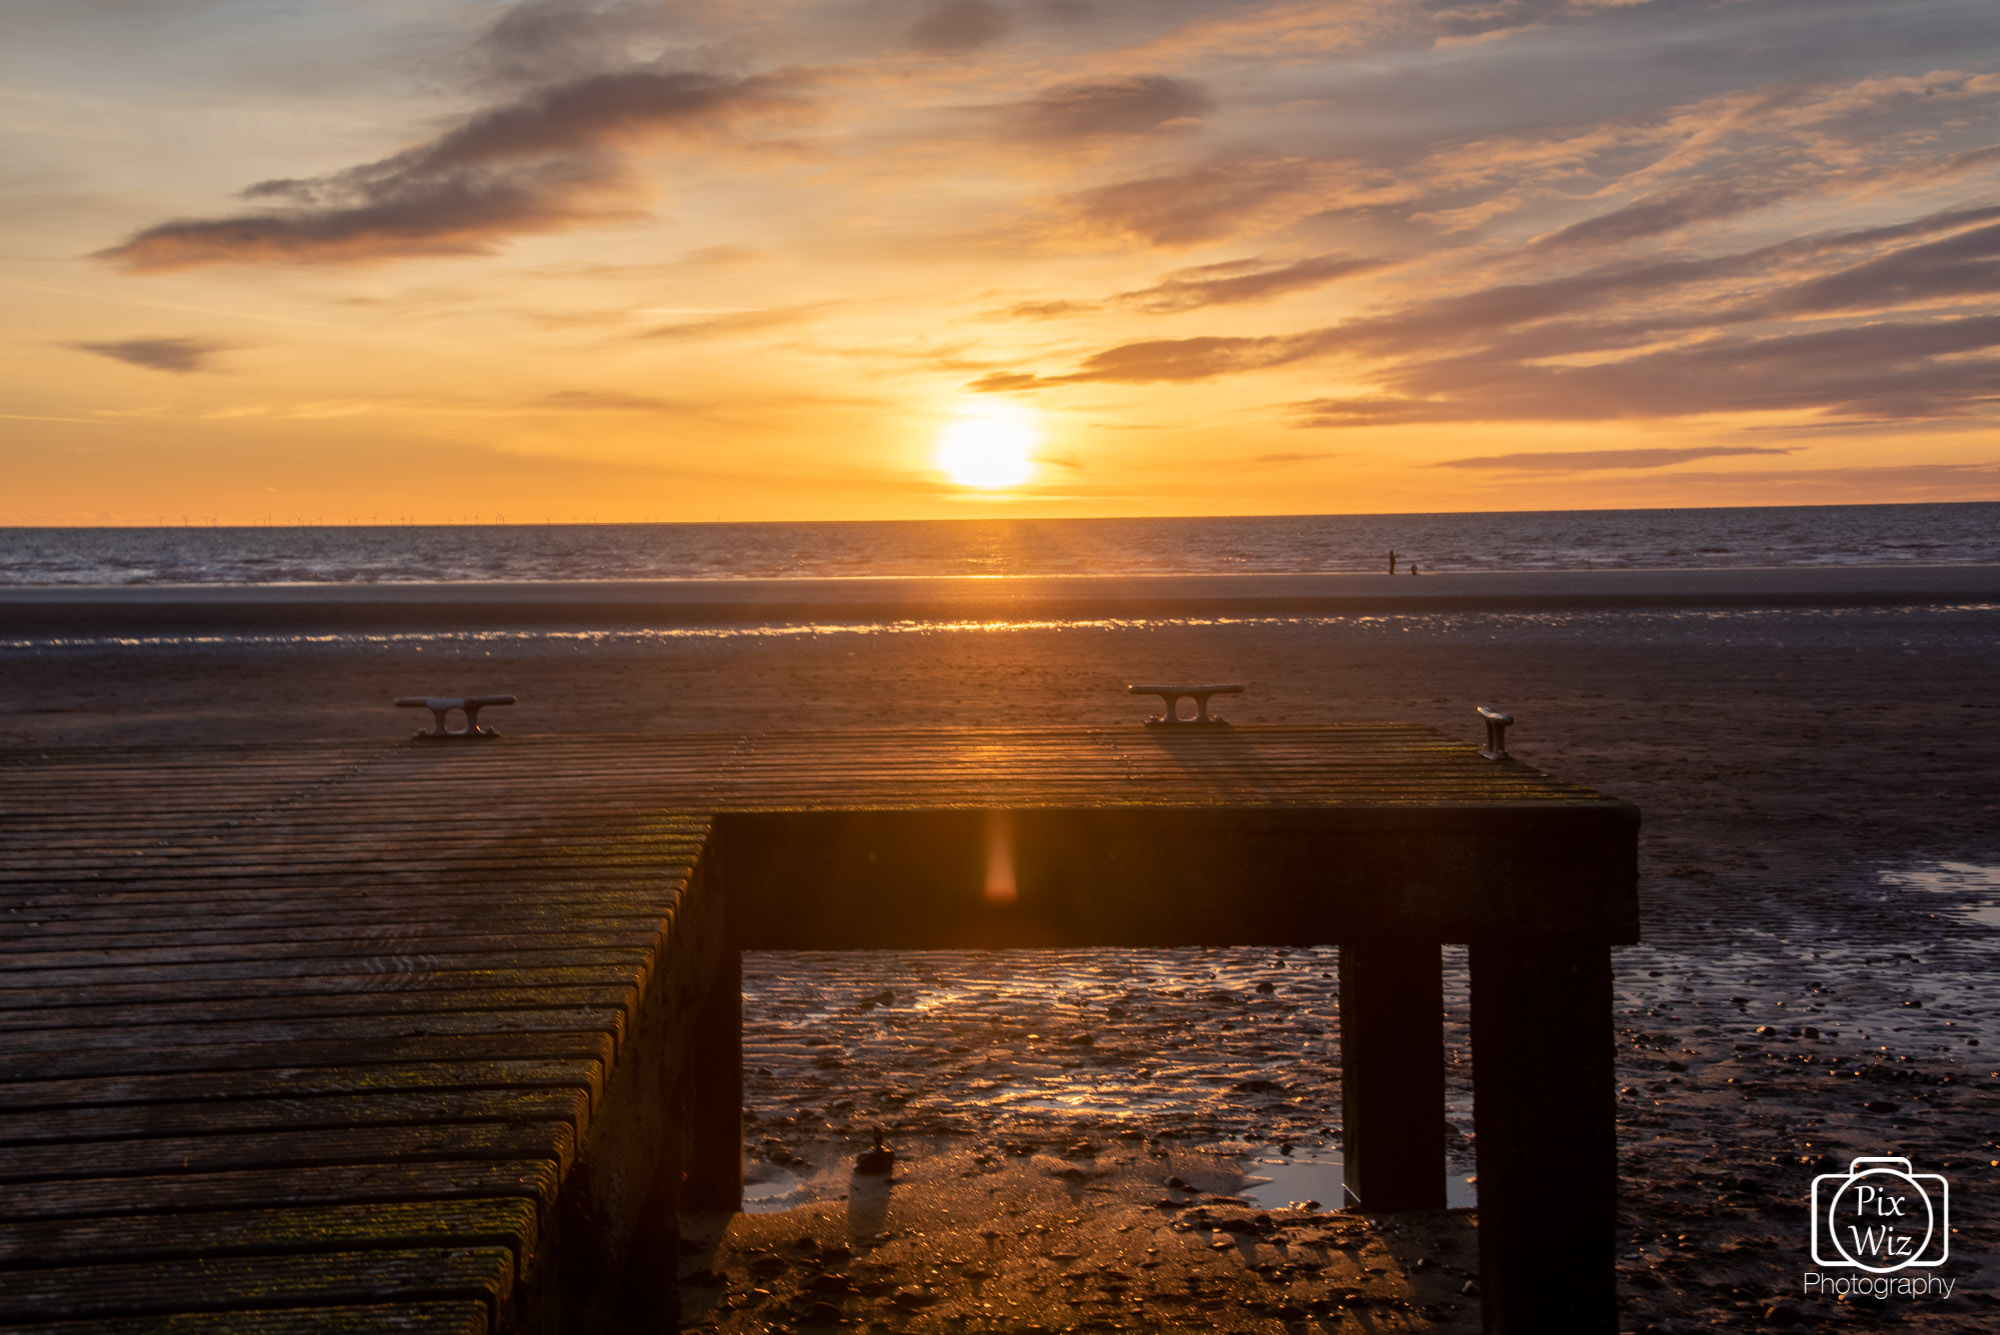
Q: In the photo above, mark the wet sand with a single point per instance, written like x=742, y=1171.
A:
x=609, y=604
x=1801, y=996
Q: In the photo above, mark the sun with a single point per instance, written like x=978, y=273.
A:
x=989, y=447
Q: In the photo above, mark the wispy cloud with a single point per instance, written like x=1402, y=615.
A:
x=955, y=27
x=1153, y=361
x=1142, y=105
x=1960, y=268
x=1051, y=310
x=736, y=322
x=1232, y=282
x=1583, y=461
x=541, y=42
x=1881, y=371
x=552, y=159
x=1224, y=283
x=609, y=401
x=1157, y=360
x=1654, y=339
x=1206, y=202
x=1281, y=458
x=1665, y=211
x=182, y=356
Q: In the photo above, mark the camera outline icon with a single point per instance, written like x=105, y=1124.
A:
x=1887, y=1170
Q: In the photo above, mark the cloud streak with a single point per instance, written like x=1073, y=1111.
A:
x=1234, y=282
x=1575, y=461
x=181, y=356
x=1856, y=326
x=1882, y=371
x=1663, y=212
x=1143, y=105
x=1226, y=283
x=1208, y=201
x=552, y=159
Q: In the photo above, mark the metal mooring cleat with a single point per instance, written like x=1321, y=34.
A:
x=442, y=705
x=1496, y=733
x=1171, y=697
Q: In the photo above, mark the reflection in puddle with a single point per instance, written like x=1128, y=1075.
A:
x=1975, y=887
x=1235, y=1050
x=768, y=1188
x=1189, y=1044
x=1317, y=1174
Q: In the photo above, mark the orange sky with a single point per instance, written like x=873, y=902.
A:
x=592, y=259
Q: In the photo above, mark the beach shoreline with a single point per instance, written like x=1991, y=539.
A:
x=81, y=610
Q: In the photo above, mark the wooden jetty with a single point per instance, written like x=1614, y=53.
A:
x=440, y=1037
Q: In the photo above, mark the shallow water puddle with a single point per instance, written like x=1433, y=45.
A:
x=1316, y=1175
x=1974, y=886
x=767, y=1189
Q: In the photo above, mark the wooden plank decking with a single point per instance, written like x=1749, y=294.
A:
x=285, y=1046
x=334, y=1037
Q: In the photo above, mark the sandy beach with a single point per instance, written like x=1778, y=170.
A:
x=1816, y=754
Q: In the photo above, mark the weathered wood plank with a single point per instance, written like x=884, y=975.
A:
x=125, y=1087
x=330, y=1112
x=187, y=926
x=341, y=1184
x=246, y=1151
x=466, y=1317
x=482, y=1275
x=294, y=1055
x=167, y=1005
x=480, y=1223
x=349, y=989
x=362, y=944
x=610, y=1021
x=329, y=966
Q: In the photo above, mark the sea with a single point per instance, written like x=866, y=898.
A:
x=1764, y=536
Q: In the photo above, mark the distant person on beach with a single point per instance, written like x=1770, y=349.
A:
x=1413, y=567
x=1392, y=560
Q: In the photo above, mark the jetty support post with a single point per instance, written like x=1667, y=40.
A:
x=1545, y=1109
x=714, y=1180
x=1392, y=1074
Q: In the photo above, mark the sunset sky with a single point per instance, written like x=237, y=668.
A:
x=591, y=259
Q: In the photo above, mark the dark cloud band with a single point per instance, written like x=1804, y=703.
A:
x=549, y=160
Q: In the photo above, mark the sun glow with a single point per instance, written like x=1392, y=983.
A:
x=989, y=447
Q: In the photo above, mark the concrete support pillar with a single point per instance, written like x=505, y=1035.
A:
x=1392, y=1075
x=1545, y=1105
x=715, y=1094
